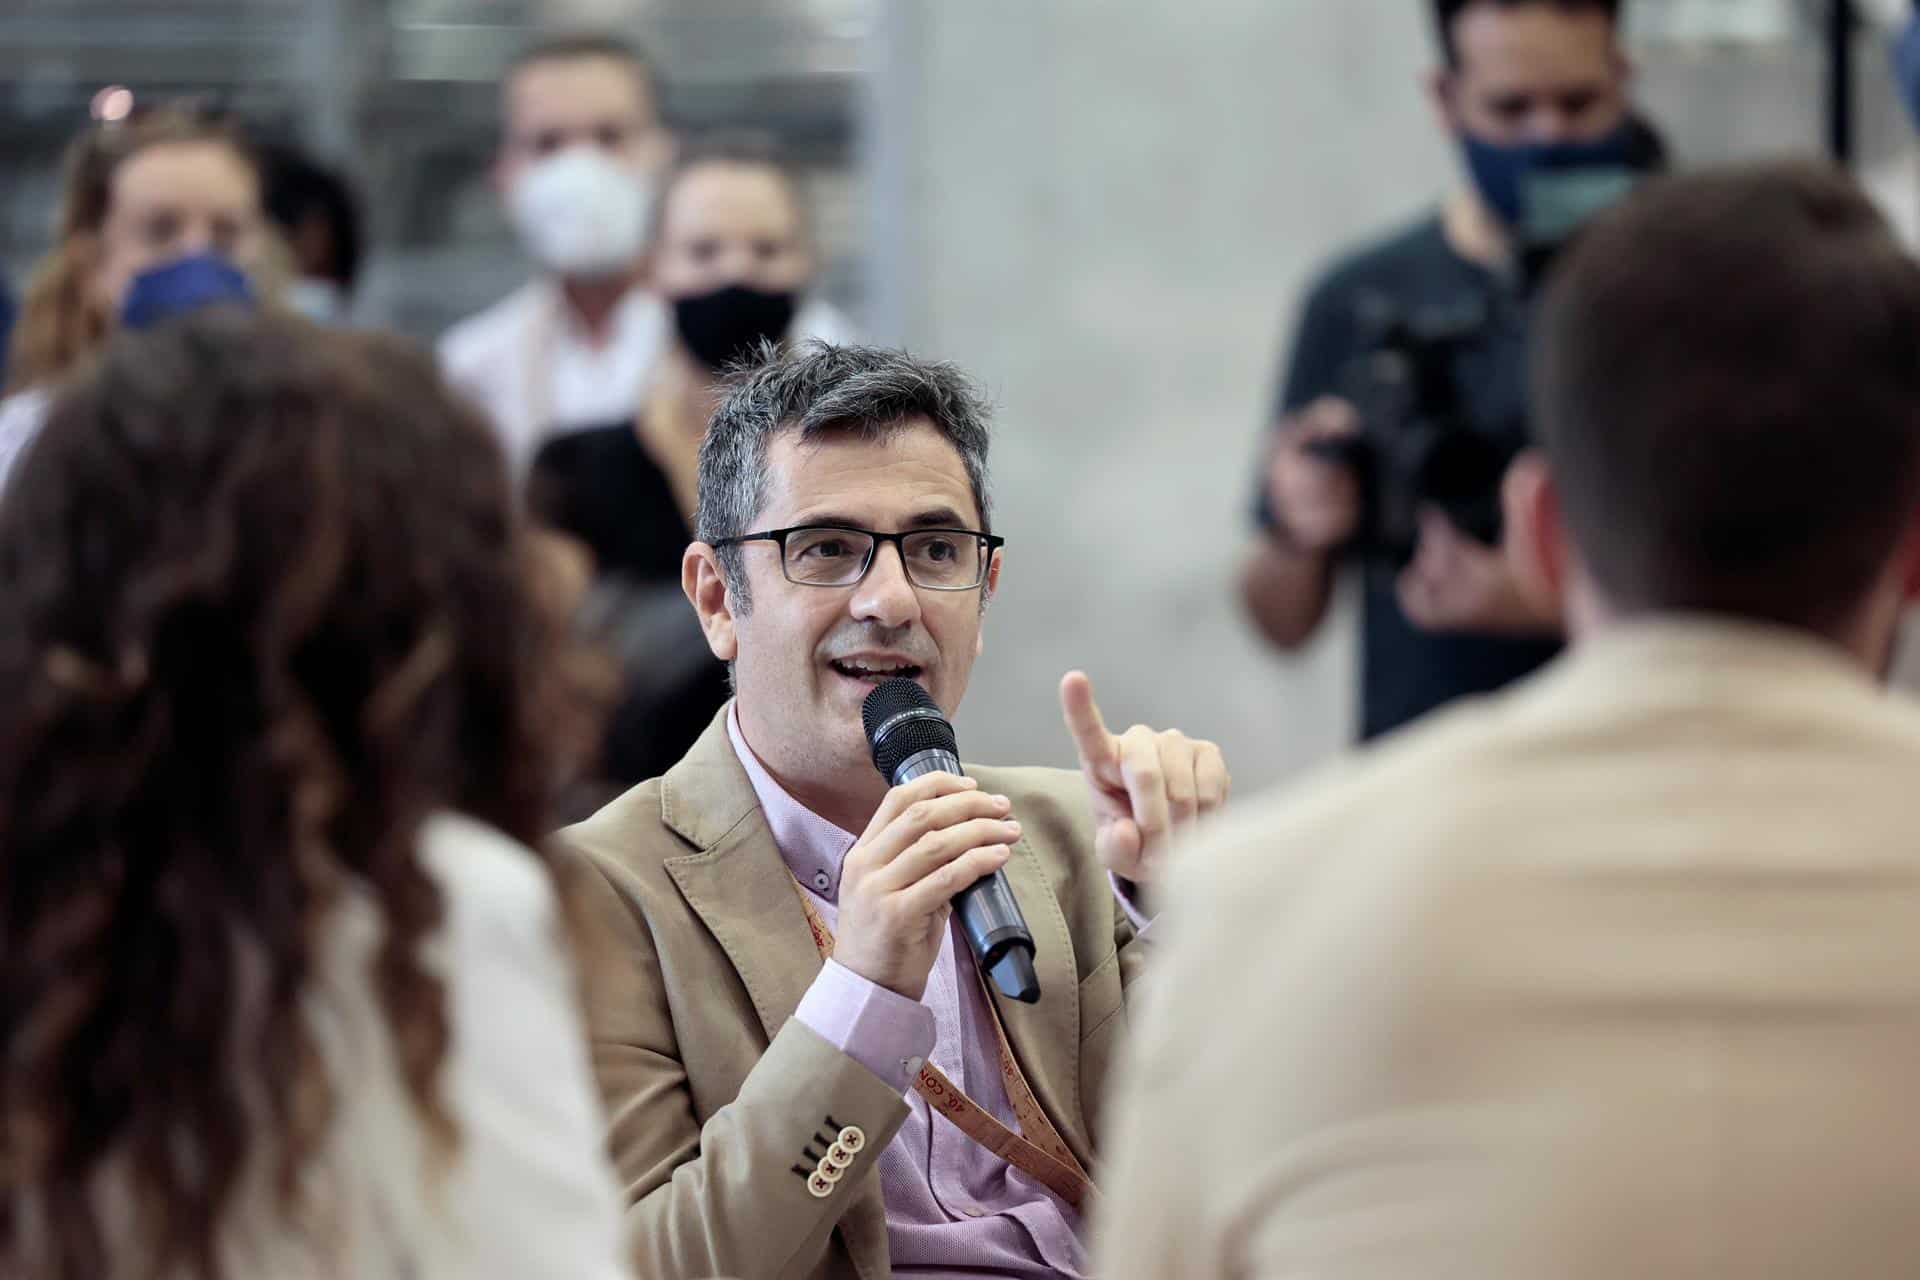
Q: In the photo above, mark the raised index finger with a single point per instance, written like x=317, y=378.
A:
x=1099, y=754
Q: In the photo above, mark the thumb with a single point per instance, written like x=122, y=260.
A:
x=1435, y=547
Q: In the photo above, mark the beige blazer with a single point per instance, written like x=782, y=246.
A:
x=1615, y=975
x=719, y=1102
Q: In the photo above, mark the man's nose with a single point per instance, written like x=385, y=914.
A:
x=885, y=595
x=737, y=266
x=1551, y=126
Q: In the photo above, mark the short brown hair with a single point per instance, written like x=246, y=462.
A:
x=1727, y=379
x=1447, y=12
x=578, y=46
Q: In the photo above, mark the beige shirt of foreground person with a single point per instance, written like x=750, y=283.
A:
x=1617, y=974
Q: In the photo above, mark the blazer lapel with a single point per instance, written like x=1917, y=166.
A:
x=1045, y=1035
x=735, y=881
x=739, y=886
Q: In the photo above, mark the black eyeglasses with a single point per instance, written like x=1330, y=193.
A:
x=833, y=555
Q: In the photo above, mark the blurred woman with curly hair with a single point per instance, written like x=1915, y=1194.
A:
x=287, y=989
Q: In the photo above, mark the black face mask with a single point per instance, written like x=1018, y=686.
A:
x=729, y=324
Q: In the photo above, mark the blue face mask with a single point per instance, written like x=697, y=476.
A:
x=1906, y=66
x=182, y=285
x=1544, y=191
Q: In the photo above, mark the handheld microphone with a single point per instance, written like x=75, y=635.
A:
x=910, y=738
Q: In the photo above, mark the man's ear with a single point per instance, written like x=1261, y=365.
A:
x=497, y=172
x=1535, y=542
x=986, y=598
x=706, y=587
x=1625, y=67
x=1440, y=85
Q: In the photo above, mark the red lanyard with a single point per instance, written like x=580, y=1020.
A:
x=1037, y=1150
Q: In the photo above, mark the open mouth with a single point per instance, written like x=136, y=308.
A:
x=873, y=672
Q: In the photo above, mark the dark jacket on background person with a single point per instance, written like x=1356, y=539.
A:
x=603, y=487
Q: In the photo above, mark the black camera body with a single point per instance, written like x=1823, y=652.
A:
x=1419, y=444
x=1417, y=447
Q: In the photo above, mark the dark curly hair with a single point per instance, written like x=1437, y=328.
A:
x=265, y=605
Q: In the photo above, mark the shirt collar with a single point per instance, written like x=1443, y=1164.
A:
x=812, y=847
x=1708, y=650
x=640, y=317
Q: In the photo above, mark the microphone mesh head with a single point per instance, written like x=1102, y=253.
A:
x=902, y=720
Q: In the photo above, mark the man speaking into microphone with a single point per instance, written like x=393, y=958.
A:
x=806, y=1070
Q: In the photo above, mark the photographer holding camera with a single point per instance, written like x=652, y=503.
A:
x=1405, y=394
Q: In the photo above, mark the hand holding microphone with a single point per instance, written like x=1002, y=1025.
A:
x=937, y=841
x=929, y=839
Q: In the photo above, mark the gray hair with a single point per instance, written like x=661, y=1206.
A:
x=818, y=389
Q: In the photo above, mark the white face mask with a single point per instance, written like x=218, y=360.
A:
x=579, y=214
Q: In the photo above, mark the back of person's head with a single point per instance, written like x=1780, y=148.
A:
x=265, y=606
x=1727, y=382
x=1448, y=12
x=317, y=213
x=68, y=306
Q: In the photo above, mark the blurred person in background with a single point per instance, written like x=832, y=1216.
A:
x=319, y=220
x=731, y=255
x=1895, y=187
x=583, y=146
x=1522, y=83
x=1892, y=175
x=287, y=985
x=1616, y=973
x=784, y=973
x=1906, y=63
x=6, y=326
x=160, y=213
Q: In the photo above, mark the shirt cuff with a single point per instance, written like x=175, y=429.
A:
x=881, y=1030
x=1124, y=892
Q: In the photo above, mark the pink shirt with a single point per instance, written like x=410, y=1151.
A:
x=953, y=1207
